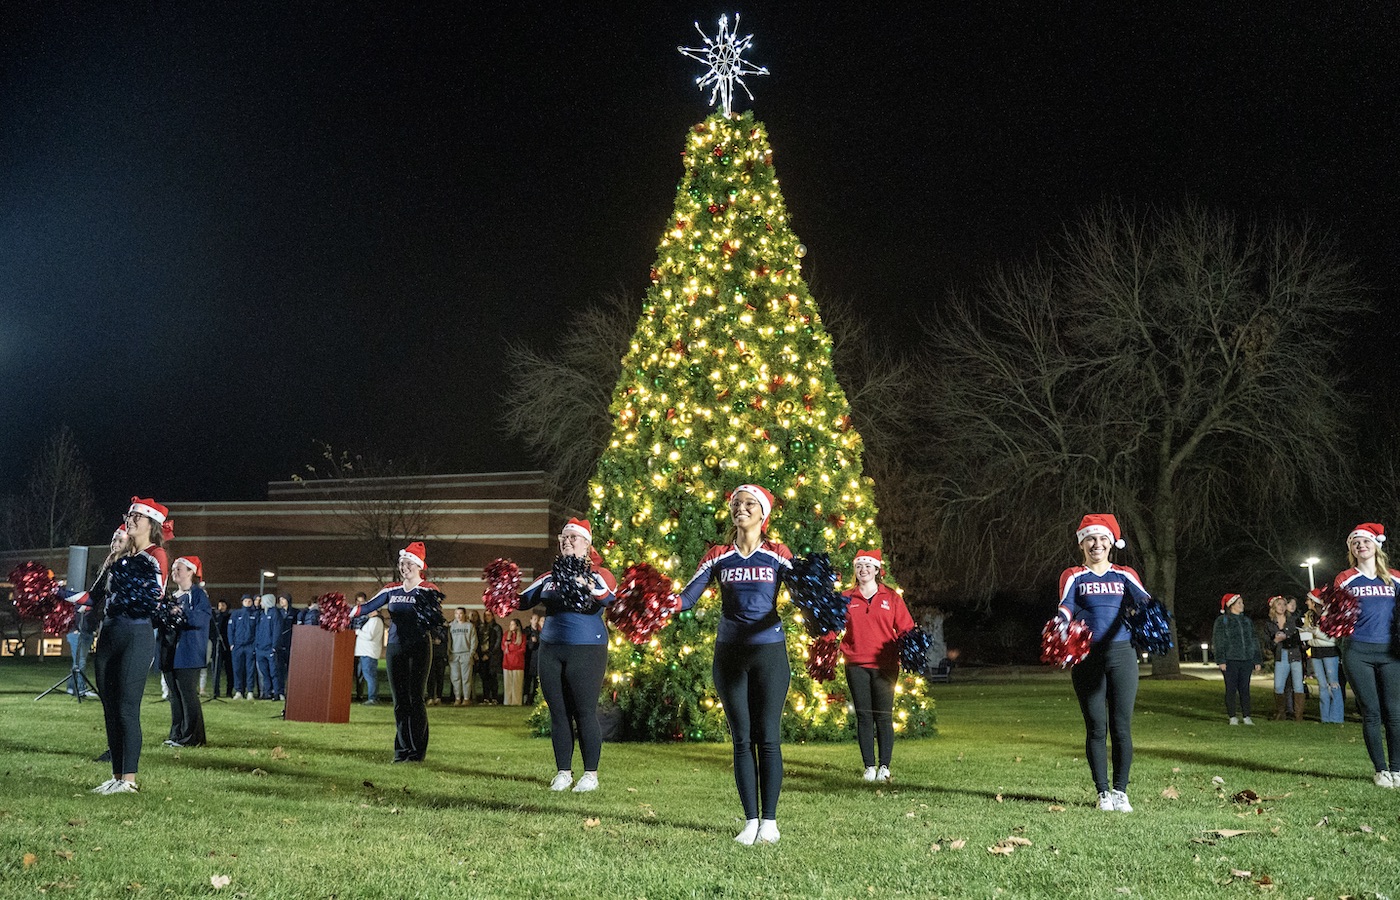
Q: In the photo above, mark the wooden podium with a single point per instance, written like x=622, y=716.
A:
x=322, y=675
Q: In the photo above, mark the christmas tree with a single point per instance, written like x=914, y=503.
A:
x=728, y=379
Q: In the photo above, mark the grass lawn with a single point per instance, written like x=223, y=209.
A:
x=298, y=810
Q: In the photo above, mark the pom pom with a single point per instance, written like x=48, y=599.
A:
x=169, y=615
x=34, y=588
x=822, y=654
x=502, y=595
x=335, y=612
x=913, y=650
x=1064, y=644
x=59, y=619
x=136, y=588
x=1150, y=627
x=428, y=606
x=812, y=586
x=1340, y=609
x=645, y=603
x=573, y=579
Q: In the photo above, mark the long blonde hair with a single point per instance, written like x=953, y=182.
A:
x=1382, y=564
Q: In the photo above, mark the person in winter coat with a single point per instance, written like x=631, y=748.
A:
x=1237, y=655
x=242, y=638
x=513, y=663
x=192, y=636
x=267, y=637
x=369, y=650
x=1281, y=631
x=875, y=618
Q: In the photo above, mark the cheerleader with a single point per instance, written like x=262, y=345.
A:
x=126, y=644
x=413, y=606
x=1106, y=681
x=875, y=618
x=751, y=670
x=1371, y=660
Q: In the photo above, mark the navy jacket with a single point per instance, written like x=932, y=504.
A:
x=190, y=646
x=268, y=633
x=242, y=626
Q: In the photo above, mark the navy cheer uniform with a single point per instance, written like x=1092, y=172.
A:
x=1373, y=666
x=407, y=658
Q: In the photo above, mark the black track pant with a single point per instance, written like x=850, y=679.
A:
x=1237, y=672
x=752, y=683
x=1374, y=673
x=125, y=649
x=1106, y=683
x=186, y=713
x=408, y=665
x=873, y=696
x=571, y=678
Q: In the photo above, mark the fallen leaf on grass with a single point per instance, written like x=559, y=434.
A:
x=957, y=845
x=219, y=881
x=1217, y=780
x=260, y=772
x=252, y=752
x=77, y=823
x=631, y=790
x=30, y=859
x=368, y=784
x=910, y=815
x=1176, y=770
x=1056, y=808
x=278, y=753
x=1246, y=796
x=1240, y=873
x=1171, y=793
x=1367, y=829
x=1230, y=832
x=999, y=799
x=1001, y=850
x=1123, y=890
x=1018, y=841
x=63, y=854
x=592, y=822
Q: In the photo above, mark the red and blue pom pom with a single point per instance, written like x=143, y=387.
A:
x=335, y=612
x=1150, y=627
x=1340, y=609
x=913, y=650
x=502, y=594
x=822, y=654
x=812, y=586
x=1065, y=643
x=645, y=603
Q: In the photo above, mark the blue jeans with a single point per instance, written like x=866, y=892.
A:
x=78, y=643
x=1329, y=689
x=1289, y=662
x=369, y=671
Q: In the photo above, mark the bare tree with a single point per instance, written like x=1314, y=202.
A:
x=559, y=398
x=374, y=500
x=1181, y=370
x=57, y=506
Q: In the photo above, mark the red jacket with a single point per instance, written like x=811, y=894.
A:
x=513, y=653
x=873, y=628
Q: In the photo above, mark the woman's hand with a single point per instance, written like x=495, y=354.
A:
x=1278, y=637
x=1257, y=667
x=1222, y=667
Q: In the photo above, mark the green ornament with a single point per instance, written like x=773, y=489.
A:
x=724, y=160
x=738, y=406
x=686, y=615
x=680, y=443
x=658, y=381
x=757, y=220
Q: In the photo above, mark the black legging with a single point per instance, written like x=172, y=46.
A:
x=752, y=683
x=873, y=696
x=1106, y=683
x=408, y=664
x=1237, y=672
x=186, y=714
x=125, y=649
x=571, y=678
x=1374, y=674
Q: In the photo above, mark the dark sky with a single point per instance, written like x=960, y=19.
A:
x=229, y=229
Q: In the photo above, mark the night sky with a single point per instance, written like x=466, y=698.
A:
x=227, y=232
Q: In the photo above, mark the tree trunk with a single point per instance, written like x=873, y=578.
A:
x=1165, y=588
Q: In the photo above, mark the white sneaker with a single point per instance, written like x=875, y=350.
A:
x=749, y=834
x=767, y=832
x=1120, y=801
x=562, y=781
x=589, y=782
x=122, y=786
x=237, y=695
x=1248, y=720
x=1384, y=779
x=1105, y=801
x=105, y=786
x=883, y=775
x=1395, y=780
x=1234, y=720
x=869, y=773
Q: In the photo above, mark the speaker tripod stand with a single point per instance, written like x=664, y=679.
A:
x=81, y=687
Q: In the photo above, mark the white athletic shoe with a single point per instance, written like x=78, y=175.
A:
x=1105, y=801
x=237, y=695
x=562, y=781
x=1384, y=779
x=749, y=834
x=1395, y=780
x=589, y=782
x=122, y=786
x=869, y=773
x=767, y=832
x=1120, y=801
x=1248, y=720
x=883, y=776
x=105, y=786
x=1234, y=720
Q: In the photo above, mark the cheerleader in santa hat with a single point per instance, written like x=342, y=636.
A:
x=126, y=643
x=415, y=606
x=1106, y=681
x=1371, y=657
x=875, y=618
x=751, y=670
x=573, y=652
x=191, y=638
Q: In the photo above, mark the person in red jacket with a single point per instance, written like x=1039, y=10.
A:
x=875, y=618
x=513, y=663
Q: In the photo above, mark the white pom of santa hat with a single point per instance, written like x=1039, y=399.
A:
x=1100, y=523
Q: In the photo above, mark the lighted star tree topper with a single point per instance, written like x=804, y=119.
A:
x=725, y=57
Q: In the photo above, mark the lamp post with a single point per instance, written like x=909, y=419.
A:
x=1308, y=564
x=1204, y=649
x=262, y=577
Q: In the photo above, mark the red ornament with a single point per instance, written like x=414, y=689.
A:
x=681, y=223
x=727, y=248
x=775, y=384
x=677, y=346
x=719, y=151
x=757, y=402
x=713, y=209
x=807, y=401
x=655, y=276
x=761, y=271
x=670, y=414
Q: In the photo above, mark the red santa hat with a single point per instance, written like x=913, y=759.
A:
x=415, y=553
x=1227, y=600
x=1368, y=529
x=1316, y=594
x=580, y=527
x=1100, y=523
x=148, y=508
x=759, y=493
x=121, y=530
x=191, y=561
x=871, y=556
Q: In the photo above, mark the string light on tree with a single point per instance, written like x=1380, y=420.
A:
x=725, y=57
